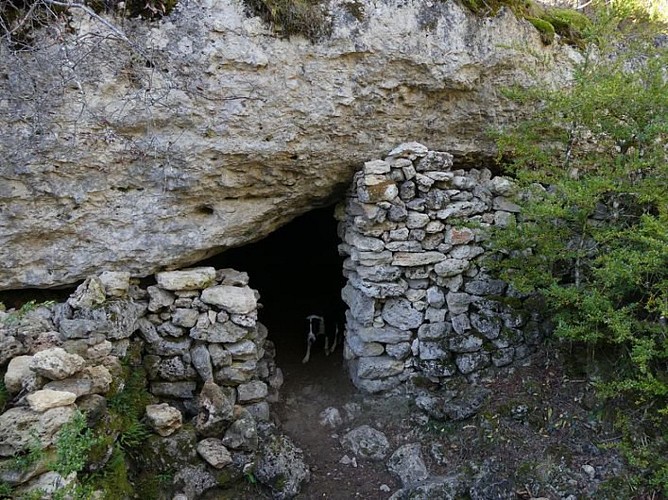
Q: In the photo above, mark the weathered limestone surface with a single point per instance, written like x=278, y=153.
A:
x=213, y=131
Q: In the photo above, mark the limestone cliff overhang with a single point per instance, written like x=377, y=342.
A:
x=206, y=130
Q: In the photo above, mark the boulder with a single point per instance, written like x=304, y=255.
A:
x=379, y=367
x=215, y=409
x=116, y=283
x=407, y=464
x=10, y=347
x=252, y=391
x=19, y=375
x=186, y=279
x=89, y=294
x=366, y=442
x=233, y=299
x=181, y=390
x=159, y=298
x=226, y=332
x=242, y=434
x=46, y=485
x=19, y=426
x=194, y=480
x=232, y=277
x=214, y=452
x=400, y=313
x=201, y=360
x=91, y=380
x=281, y=466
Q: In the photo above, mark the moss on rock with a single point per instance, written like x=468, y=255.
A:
x=545, y=28
x=571, y=25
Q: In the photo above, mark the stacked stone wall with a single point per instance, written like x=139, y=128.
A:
x=206, y=357
x=202, y=325
x=420, y=299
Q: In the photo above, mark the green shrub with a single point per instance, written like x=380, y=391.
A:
x=571, y=25
x=73, y=445
x=593, y=236
x=5, y=490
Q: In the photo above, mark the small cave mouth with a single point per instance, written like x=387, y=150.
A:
x=298, y=271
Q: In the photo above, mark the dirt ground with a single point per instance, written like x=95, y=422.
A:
x=539, y=434
x=307, y=391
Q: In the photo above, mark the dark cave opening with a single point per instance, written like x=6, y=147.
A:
x=298, y=271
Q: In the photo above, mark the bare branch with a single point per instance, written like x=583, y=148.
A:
x=100, y=19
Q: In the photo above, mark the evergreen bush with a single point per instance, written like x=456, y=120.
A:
x=592, y=240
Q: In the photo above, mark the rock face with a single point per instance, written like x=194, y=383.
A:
x=208, y=131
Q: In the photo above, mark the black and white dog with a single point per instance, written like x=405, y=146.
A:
x=317, y=330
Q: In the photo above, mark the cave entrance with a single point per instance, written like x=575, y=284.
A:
x=298, y=271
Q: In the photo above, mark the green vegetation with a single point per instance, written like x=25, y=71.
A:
x=545, y=28
x=4, y=395
x=639, y=10
x=32, y=456
x=15, y=316
x=592, y=241
x=127, y=407
x=73, y=444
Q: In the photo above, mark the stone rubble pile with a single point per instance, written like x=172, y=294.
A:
x=420, y=300
x=207, y=360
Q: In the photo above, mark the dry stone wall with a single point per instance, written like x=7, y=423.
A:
x=202, y=325
x=207, y=359
x=420, y=300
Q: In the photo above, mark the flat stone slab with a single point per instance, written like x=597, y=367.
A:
x=45, y=399
x=233, y=299
x=214, y=452
x=379, y=367
x=196, y=278
x=410, y=259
